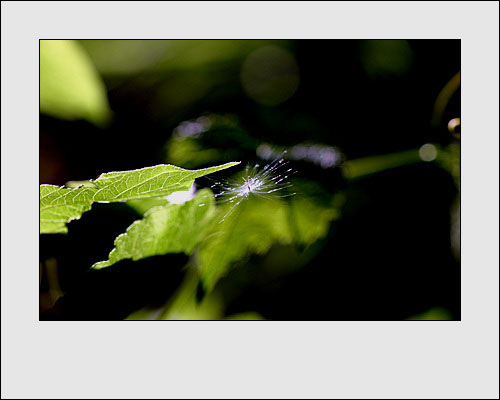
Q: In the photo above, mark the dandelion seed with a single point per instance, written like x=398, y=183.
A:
x=262, y=182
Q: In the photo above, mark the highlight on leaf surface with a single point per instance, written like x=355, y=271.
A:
x=59, y=205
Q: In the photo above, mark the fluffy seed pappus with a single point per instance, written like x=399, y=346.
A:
x=269, y=181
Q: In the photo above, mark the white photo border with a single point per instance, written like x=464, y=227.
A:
x=244, y=359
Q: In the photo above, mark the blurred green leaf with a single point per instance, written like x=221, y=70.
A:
x=70, y=87
x=208, y=138
x=184, y=306
x=254, y=226
x=171, y=228
x=369, y=165
x=188, y=152
x=144, y=205
x=122, y=57
x=434, y=314
x=246, y=316
x=449, y=159
x=144, y=314
x=60, y=205
x=311, y=219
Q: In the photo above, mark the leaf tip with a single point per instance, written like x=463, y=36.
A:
x=229, y=164
x=100, y=265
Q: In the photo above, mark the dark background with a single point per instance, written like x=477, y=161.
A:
x=388, y=256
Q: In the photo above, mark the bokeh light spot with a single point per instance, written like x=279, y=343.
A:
x=454, y=127
x=270, y=75
x=386, y=57
x=428, y=152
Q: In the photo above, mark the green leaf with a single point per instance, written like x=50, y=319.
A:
x=171, y=228
x=70, y=87
x=256, y=225
x=160, y=180
x=141, y=206
x=60, y=205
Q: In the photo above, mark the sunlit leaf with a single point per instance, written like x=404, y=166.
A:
x=60, y=205
x=171, y=228
x=160, y=180
x=70, y=87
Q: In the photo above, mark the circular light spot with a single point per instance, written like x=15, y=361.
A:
x=264, y=151
x=386, y=57
x=270, y=75
x=454, y=127
x=428, y=152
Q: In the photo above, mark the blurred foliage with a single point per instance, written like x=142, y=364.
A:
x=208, y=138
x=247, y=316
x=434, y=314
x=254, y=226
x=70, y=86
x=443, y=99
x=449, y=159
x=370, y=165
x=184, y=306
x=371, y=127
x=126, y=57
